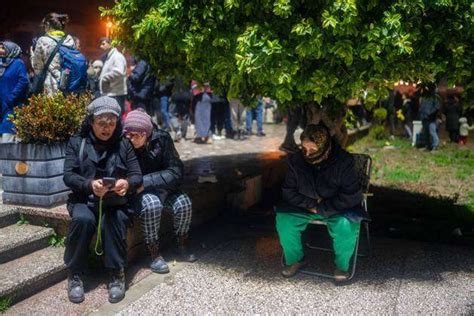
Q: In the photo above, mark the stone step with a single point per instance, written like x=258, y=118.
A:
x=19, y=240
x=8, y=215
x=25, y=276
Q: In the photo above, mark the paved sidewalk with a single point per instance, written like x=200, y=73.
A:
x=241, y=276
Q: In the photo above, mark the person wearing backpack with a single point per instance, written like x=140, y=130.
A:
x=113, y=78
x=57, y=63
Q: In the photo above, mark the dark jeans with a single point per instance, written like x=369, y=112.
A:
x=256, y=113
x=81, y=230
x=217, y=117
x=165, y=115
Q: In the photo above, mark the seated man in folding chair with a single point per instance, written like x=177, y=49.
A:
x=321, y=184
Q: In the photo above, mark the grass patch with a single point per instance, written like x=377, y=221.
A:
x=448, y=172
x=57, y=240
x=399, y=174
x=22, y=220
x=5, y=303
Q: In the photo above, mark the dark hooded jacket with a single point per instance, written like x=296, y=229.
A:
x=332, y=187
x=141, y=83
x=114, y=158
x=160, y=164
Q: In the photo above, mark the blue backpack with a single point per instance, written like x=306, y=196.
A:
x=73, y=70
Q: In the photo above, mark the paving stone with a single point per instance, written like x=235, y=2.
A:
x=54, y=300
x=242, y=277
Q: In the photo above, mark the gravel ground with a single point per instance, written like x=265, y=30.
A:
x=242, y=277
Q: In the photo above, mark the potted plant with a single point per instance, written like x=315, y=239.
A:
x=33, y=168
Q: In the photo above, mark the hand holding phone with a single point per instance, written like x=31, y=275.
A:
x=121, y=187
x=108, y=182
x=98, y=188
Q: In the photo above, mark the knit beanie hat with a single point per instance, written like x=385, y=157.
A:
x=138, y=121
x=103, y=105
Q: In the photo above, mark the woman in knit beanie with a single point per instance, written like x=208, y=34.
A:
x=162, y=175
x=102, y=172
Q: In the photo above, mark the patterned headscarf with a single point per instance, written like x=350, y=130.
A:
x=12, y=51
x=319, y=135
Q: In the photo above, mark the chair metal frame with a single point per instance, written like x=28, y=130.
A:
x=363, y=164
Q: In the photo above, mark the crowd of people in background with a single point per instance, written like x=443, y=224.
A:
x=56, y=64
x=425, y=105
x=433, y=111
x=173, y=104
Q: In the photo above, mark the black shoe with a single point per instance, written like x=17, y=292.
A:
x=261, y=134
x=117, y=286
x=75, y=288
x=158, y=264
x=184, y=253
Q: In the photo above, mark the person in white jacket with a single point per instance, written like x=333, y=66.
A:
x=53, y=26
x=113, y=78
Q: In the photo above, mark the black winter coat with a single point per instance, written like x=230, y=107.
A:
x=453, y=112
x=334, y=182
x=141, y=83
x=160, y=164
x=118, y=161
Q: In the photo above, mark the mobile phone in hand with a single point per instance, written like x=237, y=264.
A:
x=109, y=182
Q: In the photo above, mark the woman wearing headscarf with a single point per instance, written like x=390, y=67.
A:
x=13, y=87
x=102, y=171
x=321, y=184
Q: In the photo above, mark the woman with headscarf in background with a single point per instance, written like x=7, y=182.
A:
x=13, y=87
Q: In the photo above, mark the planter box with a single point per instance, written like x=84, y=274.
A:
x=32, y=174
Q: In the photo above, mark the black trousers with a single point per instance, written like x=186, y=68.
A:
x=217, y=117
x=81, y=230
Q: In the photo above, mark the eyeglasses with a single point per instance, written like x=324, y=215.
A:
x=104, y=123
x=134, y=135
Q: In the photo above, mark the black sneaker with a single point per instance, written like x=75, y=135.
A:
x=117, y=286
x=261, y=134
x=75, y=288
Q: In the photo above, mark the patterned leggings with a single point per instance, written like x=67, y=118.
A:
x=150, y=214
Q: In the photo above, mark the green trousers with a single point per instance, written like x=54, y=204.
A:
x=344, y=234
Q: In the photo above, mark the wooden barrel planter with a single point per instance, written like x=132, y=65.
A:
x=33, y=174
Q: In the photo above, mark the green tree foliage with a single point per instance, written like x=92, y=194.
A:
x=302, y=50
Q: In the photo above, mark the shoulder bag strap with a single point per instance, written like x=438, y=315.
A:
x=81, y=155
x=53, y=53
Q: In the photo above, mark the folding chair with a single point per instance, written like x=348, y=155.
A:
x=363, y=166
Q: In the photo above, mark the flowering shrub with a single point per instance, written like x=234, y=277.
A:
x=49, y=119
